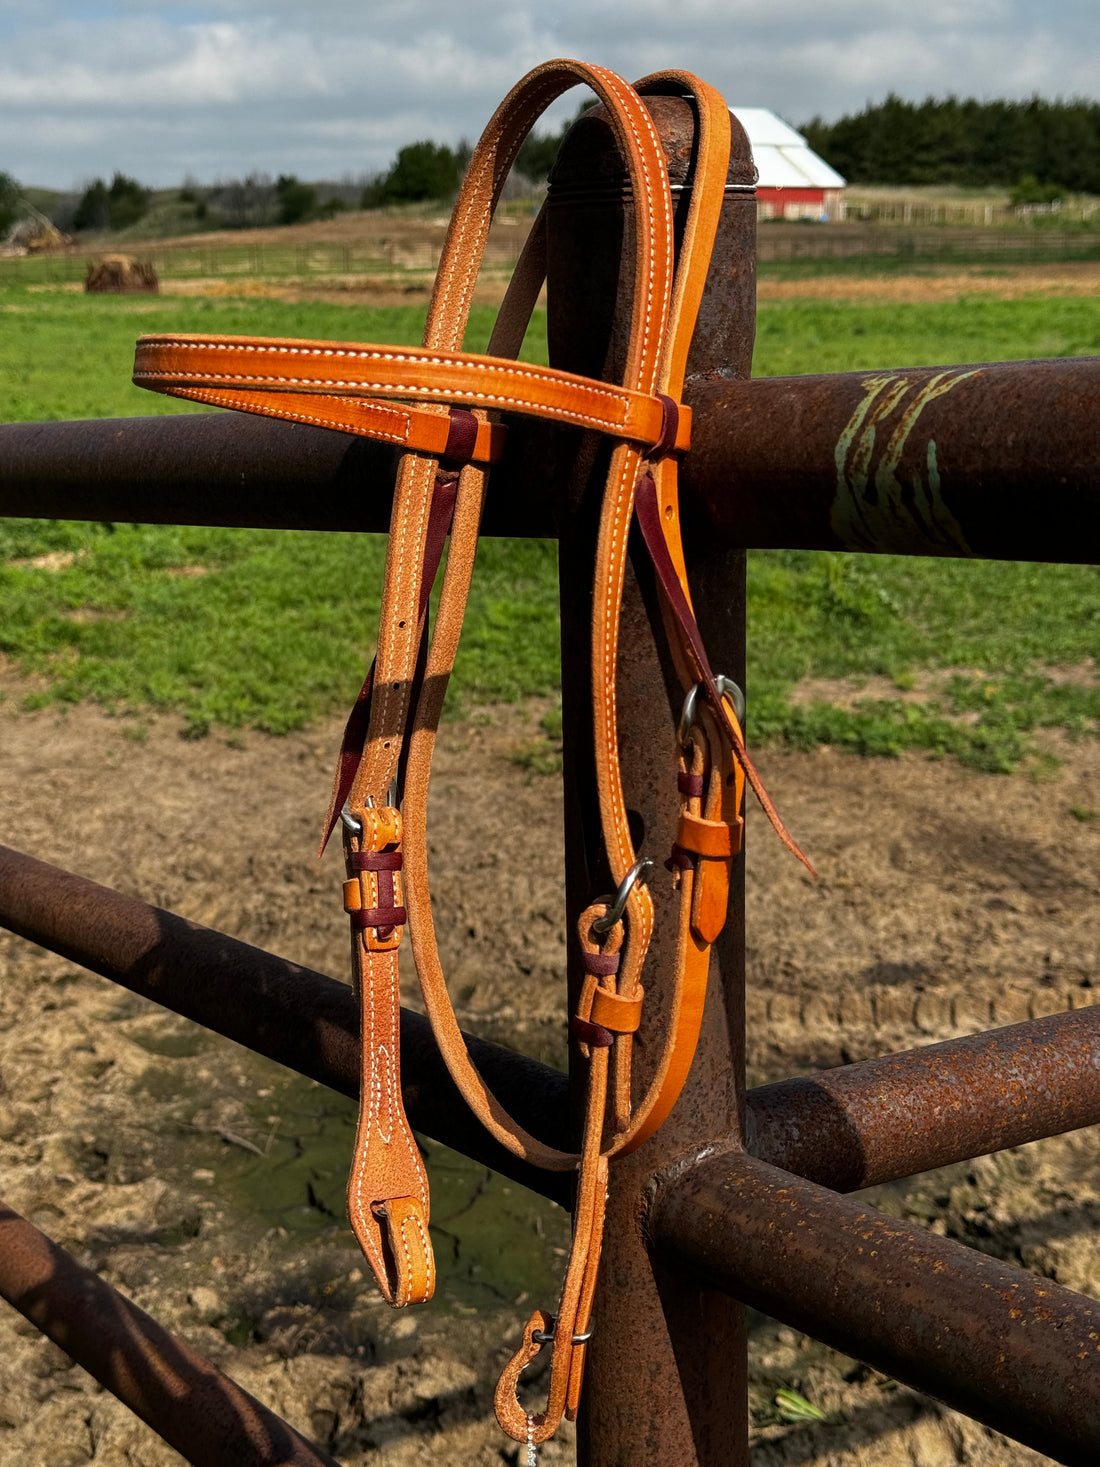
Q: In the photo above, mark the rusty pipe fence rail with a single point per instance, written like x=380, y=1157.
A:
x=739, y=1198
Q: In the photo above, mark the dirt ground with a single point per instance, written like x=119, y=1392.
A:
x=943, y=283
x=934, y=283
x=186, y=1171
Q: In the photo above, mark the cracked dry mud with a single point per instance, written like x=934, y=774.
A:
x=206, y=1183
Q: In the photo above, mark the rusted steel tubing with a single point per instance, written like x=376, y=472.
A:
x=294, y=1016
x=924, y=461
x=196, y=1409
x=225, y=469
x=843, y=1128
x=905, y=1113
x=1017, y=1352
x=1000, y=460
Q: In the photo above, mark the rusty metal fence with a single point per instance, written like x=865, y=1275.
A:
x=738, y=1201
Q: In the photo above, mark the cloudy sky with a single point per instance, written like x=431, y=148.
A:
x=332, y=88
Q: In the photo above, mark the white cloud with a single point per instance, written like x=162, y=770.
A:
x=220, y=87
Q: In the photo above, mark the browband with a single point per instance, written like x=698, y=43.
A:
x=250, y=374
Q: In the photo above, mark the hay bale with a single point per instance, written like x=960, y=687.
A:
x=121, y=275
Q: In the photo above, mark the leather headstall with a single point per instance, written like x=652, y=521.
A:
x=448, y=410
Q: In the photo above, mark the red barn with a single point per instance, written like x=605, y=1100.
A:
x=793, y=183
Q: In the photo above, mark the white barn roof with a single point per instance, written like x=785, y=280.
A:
x=783, y=157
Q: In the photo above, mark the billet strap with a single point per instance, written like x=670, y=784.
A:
x=388, y=1187
x=652, y=521
x=440, y=516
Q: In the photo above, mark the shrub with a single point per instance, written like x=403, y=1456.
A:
x=10, y=195
x=117, y=207
x=421, y=171
x=297, y=201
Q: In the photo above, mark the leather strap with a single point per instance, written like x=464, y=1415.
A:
x=286, y=379
x=391, y=732
x=388, y=1187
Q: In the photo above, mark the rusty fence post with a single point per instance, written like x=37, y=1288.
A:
x=666, y=1370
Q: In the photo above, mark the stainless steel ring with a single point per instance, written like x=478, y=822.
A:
x=544, y=1337
x=727, y=687
x=618, y=906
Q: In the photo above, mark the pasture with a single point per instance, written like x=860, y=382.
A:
x=967, y=659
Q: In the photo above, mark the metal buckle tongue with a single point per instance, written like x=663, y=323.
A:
x=356, y=826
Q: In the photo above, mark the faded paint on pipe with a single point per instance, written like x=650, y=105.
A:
x=189, y=1402
x=987, y=1338
x=894, y=1116
x=1000, y=460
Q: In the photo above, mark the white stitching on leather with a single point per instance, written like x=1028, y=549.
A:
x=614, y=84
x=395, y=1029
x=533, y=104
x=406, y=566
x=443, y=394
x=385, y=1063
x=490, y=399
x=225, y=399
x=566, y=380
x=425, y=1249
x=368, y=1227
x=620, y=523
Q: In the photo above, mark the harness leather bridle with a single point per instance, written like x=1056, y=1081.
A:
x=447, y=417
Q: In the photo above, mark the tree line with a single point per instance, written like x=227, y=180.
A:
x=423, y=171
x=1039, y=150
x=1045, y=147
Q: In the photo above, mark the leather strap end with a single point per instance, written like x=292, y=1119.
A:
x=576, y=1380
x=411, y=1247
x=510, y=1414
x=393, y=1235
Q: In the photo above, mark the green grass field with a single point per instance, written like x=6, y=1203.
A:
x=269, y=629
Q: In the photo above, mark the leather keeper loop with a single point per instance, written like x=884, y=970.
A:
x=379, y=917
x=461, y=437
x=594, y=1034
x=711, y=838
x=670, y=426
x=601, y=965
x=376, y=860
x=615, y=1012
x=690, y=785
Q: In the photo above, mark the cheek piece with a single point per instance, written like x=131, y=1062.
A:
x=448, y=411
